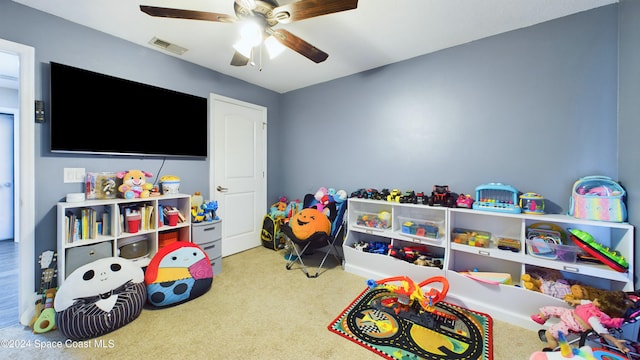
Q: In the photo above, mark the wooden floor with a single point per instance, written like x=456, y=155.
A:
x=8, y=283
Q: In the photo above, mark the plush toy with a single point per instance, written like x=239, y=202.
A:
x=583, y=292
x=293, y=208
x=308, y=222
x=277, y=211
x=340, y=196
x=323, y=198
x=134, y=185
x=531, y=282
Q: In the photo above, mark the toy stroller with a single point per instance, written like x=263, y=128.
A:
x=628, y=331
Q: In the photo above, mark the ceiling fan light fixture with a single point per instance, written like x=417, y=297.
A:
x=274, y=47
x=247, y=4
x=251, y=33
x=243, y=48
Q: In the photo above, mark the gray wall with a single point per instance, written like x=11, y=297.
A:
x=55, y=39
x=536, y=108
x=629, y=108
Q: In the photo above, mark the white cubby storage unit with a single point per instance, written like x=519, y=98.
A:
x=375, y=265
x=510, y=303
x=107, y=217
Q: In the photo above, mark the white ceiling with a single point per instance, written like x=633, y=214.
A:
x=377, y=33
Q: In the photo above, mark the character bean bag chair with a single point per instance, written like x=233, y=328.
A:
x=177, y=273
x=100, y=297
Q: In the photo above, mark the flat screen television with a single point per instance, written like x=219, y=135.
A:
x=93, y=113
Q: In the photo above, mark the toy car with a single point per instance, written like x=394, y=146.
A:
x=394, y=195
x=381, y=195
x=464, y=201
x=360, y=193
x=409, y=197
x=441, y=196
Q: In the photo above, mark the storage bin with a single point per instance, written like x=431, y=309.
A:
x=381, y=220
x=420, y=227
x=537, y=247
x=166, y=238
x=475, y=238
x=506, y=243
x=134, y=247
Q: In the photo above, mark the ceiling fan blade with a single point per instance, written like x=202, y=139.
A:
x=239, y=59
x=302, y=47
x=186, y=14
x=305, y=9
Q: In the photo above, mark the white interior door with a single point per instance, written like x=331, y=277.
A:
x=6, y=176
x=239, y=152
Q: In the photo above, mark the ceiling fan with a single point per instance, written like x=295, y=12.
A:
x=265, y=14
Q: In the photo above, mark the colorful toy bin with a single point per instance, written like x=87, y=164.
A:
x=532, y=203
x=170, y=184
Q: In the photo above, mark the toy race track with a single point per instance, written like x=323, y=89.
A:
x=587, y=243
x=448, y=332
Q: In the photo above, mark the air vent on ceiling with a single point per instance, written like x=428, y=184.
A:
x=179, y=50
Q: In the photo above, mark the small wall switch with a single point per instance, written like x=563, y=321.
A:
x=74, y=175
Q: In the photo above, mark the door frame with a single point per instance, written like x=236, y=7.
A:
x=25, y=173
x=16, y=160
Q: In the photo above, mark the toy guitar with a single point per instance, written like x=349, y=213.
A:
x=44, y=319
x=585, y=241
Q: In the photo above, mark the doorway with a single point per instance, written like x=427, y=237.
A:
x=238, y=149
x=24, y=170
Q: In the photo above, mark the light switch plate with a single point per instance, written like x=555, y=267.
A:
x=74, y=175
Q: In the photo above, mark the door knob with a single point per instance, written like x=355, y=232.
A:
x=222, y=189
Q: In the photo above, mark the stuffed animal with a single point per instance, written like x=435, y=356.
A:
x=277, y=211
x=308, y=222
x=531, y=282
x=134, y=185
x=583, y=292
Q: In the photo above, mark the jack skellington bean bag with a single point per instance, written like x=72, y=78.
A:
x=100, y=297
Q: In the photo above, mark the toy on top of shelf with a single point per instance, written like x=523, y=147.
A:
x=210, y=208
x=394, y=195
x=360, y=193
x=197, y=215
x=380, y=195
x=421, y=198
x=497, y=197
x=598, y=198
x=586, y=242
x=134, y=185
x=409, y=197
x=464, y=201
x=170, y=184
x=441, y=196
x=532, y=203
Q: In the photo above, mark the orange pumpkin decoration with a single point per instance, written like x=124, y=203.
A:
x=308, y=222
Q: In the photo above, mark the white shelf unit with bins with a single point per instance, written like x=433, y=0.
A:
x=375, y=265
x=114, y=234
x=515, y=304
x=509, y=303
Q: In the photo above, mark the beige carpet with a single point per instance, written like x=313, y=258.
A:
x=256, y=309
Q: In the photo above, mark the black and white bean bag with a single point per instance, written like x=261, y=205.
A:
x=100, y=297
